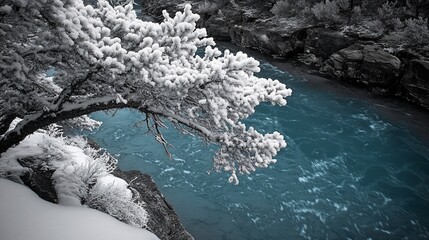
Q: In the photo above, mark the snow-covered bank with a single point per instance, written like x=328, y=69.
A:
x=70, y=171
x=23, y=215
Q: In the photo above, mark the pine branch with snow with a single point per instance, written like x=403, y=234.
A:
x=106, y=58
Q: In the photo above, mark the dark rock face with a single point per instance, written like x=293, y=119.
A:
x=405, y=75
x=350, y=56
x=268, y=37
x=217, y=28
x=324, y=42
x=369, y=65
x=155, y=7
x=416, y=82
x=163, y=221
x=39, y=180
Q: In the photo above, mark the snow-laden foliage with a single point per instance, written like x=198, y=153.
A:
x=343, y=4
x=416, y=31
x=81, y=173
x=327, y=11
x=208, y=7
x=281, y=8
x=83, y=123
x=117, y=202
x=104, y=58
x=287, y=8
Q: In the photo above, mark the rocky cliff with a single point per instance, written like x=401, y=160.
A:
x=346, y=54
x=163, y=220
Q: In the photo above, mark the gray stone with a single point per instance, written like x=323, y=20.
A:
x=217, y=28
x=271, y=37
x=38, y=179
x=416, y=82
x=366, y=64
x=163, y=220
x=324, y=42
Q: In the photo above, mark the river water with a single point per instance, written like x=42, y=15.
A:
x=356, y=167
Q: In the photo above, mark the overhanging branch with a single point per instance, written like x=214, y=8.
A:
x=42, y=119
x=179, y=119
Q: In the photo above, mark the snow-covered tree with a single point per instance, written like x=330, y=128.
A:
x=105, y=58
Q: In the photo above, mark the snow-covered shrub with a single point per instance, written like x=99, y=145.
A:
x=372, y=28
x=83, y=175
x=55, y=131
x=416, y=31
x=326, y=12
x=282, y=8
x=52, y=145
x=74, y=171
x=82, y=123
x=356, y=15
x=102, y=159
x=397, y=24
x=91, y=170
x=288, y=8
x=389, y=14
x=386, y=11
x=343, y=4
x=81, y=172
x=208, y=7
x=117, y=201
x=304, y=8
x=69, y=186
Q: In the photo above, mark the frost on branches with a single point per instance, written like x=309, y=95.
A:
x=106, y=58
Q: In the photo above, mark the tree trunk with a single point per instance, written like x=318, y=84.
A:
x=351, y=6
x=5, y=122
x=40, y=120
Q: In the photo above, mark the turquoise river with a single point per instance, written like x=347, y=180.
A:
x=356, y=167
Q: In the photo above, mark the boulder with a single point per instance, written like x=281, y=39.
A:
x=38, y=179
x=324, y=42
x=416, y=82
x=155, y=7
x=277, y=38
x=365, y=64
x=217, y=28
x=163, y=221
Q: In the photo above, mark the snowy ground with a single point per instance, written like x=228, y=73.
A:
x=23, y=216
x=81, y=174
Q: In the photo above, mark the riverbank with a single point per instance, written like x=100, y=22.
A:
x=378, y=63
x=390, y=107
x=345, y=157
x=72, y=171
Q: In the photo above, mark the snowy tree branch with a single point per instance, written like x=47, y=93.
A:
x=41, y=119
x=106, y=58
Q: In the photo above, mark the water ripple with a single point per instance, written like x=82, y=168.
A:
x=347, y=172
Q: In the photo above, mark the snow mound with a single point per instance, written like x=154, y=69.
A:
x=25, y=216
